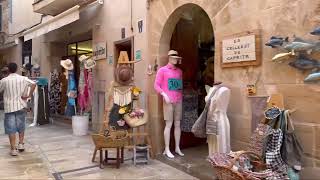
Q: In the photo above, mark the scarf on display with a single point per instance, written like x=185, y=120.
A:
x=122, y=96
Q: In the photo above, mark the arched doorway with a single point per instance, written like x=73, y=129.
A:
x=189, y=31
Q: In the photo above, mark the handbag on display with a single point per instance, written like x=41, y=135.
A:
x=291, y=149
x=135, y=121
x=200, y=126
x=259, y=139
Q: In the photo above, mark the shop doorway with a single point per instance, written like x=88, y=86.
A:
x=189, y=31
x=193, y=39
x=123, y=45
x=74, y=51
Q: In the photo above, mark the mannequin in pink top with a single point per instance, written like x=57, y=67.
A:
x=168, y=83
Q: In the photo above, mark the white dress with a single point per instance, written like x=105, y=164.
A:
x=218, y=110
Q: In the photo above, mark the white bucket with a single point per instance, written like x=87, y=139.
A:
x=80, y=125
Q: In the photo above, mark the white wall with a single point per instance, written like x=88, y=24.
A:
x=22, y=15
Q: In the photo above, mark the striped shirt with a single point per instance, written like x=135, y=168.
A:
x=13, y=88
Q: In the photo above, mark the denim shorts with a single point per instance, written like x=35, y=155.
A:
x=15, y=122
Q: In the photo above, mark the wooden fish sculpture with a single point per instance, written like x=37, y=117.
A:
x=282, y=56
x=312, y=77
x=316, y=31
x=276, y=41
x=303, y=63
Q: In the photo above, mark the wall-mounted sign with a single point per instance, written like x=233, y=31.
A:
x=138, y=55
x=99, y=51
x=243, y=49
x=140, y=26
x=123, y=33
x=110, y=59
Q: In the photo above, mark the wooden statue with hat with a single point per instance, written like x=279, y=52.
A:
x=121, y=101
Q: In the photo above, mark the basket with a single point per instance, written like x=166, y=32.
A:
x=114, y=139
x=223, y=166
x=135, y=122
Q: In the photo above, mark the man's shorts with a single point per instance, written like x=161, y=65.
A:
x=15, y=122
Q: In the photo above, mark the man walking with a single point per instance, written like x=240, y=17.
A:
x=14, y=87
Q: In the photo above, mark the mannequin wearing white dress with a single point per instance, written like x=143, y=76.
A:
x=218, y=111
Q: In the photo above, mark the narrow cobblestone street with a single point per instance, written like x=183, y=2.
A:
x=52, y=150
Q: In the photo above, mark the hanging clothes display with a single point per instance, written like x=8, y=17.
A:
x=72, y=94
x=189, y=110
x=219, y=139
x=55, y=93
x=64, y=87
x=82, y=97
x=89, y=88
x=43, y=101
x=35, y=100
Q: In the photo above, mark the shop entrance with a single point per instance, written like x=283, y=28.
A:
x=192, y=36
x=74, y=51
x=194, y=41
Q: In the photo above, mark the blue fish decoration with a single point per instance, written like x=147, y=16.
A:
x=316, y=31
x=276, y=41
x=303, y=63
x=312, y=77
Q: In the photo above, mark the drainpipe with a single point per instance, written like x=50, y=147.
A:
x=131, y=16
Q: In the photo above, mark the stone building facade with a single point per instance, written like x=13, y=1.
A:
x=228, y=17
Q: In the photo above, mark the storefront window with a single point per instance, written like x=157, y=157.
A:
x=72, y=49
x=83, y=47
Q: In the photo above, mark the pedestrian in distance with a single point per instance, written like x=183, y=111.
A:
x=15, y=94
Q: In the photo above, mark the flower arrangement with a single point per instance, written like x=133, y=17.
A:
x=139, y=113
x=123, y=110
x=136, y=91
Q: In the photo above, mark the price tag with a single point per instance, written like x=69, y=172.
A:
x=174, y=84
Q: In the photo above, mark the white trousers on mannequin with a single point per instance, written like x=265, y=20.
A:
x=35, y=106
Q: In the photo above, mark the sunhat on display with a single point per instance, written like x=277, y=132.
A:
x=36, y=67
x=26, y=67
x=83, y=57
x=124, y=58
x=89, y=63
x=67, y=64
x=174, y=54
x=123, y=75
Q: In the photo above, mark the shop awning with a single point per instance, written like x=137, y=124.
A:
x=53, y=23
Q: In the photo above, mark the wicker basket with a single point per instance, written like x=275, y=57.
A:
x=224, y=168
x=114, y=139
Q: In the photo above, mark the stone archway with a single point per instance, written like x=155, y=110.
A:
x=163, y=20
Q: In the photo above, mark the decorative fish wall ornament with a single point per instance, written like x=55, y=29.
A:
x=281, y=57
x=303, y=63
x=316, y=31
x=300, y=46
x=276, y=41
x=312, y=77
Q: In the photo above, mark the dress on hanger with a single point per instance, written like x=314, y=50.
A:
x=219, y=141
x=55, y=93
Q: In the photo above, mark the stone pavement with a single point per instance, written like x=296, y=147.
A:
x=52, y=149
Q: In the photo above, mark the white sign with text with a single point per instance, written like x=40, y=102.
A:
x=99, y=51
x=239, y=49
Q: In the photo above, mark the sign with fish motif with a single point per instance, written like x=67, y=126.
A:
x=243, y=49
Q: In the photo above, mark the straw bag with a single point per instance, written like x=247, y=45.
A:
x=136, y=121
